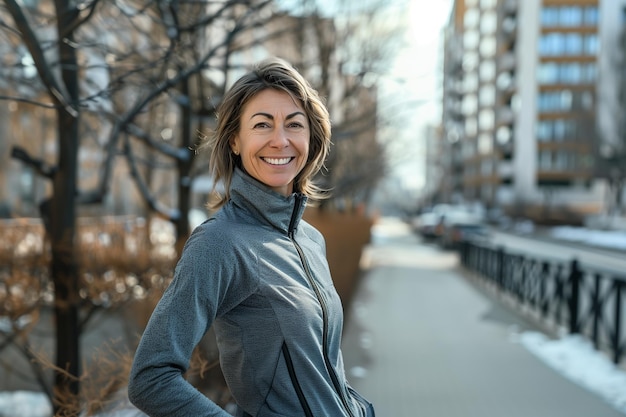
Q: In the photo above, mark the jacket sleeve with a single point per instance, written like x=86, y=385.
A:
x=181, y=318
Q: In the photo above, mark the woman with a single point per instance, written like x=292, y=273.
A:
x=255, y=270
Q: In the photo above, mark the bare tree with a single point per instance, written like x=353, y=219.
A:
x=610, y=150
x=180, y=97
x=345, y=52
x=87, y=78
x=59, y=75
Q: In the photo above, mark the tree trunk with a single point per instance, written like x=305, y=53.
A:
x=184, y=171
x=64, y=269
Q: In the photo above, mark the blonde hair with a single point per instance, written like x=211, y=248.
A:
x=279, y=75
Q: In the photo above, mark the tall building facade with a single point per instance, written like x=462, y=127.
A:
x=529, y=90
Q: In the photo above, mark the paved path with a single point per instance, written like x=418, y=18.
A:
x=421, y=341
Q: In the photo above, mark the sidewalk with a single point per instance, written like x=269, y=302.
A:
x=421, y=341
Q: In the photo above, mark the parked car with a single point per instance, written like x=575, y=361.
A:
x=460, y=225
x=426, y=224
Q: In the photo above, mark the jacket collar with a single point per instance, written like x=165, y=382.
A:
x=265, y=204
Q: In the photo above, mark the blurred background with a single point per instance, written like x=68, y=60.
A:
x=475, y=123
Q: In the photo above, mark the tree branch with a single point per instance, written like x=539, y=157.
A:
x=28, y=101
x=39, y=165
x=180, y=154
x=153, y=203
x=56, y=89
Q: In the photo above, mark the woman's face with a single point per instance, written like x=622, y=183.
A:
x=273, y=139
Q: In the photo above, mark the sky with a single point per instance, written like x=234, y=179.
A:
x=419, y=65
x=414, y=77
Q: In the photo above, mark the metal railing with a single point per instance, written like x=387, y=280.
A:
x=562, y=294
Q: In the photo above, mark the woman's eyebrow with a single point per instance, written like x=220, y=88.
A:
x=269, y=116
x=294, y=114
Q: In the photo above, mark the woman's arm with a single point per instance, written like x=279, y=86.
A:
x=182, y=317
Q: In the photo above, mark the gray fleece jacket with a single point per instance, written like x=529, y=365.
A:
x=258, y=274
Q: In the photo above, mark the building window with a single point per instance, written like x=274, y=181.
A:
x=586, y=100
x=557, y=130
x=590, y=16
x=544, y=133
x=569, y=16
x=560, y=130
x=555, y=161
x=555, y=101
x=561, y=161
x=545, y=160
x=549, y=16
x=590, y=44
x=548, y=73
x=566, y=73
x=573, y=44
x=565, y=100
x=556, y=44
x=550, y=44
x=571, y=73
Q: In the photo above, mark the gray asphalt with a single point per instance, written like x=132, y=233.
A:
x=422, y=340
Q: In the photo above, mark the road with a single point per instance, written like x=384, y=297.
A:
x=592, y=256
x=422, y=340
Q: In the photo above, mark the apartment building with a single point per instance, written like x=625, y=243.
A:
x=530, y=96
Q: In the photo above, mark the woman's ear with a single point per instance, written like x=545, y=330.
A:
x=233, y=146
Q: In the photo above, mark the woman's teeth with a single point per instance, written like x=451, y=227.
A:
x=277, y=161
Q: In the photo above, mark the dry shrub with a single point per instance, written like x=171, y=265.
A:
x=118, y=265
x=102, y=382
x=346, y=234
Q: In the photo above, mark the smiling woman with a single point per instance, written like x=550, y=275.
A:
x=273, y=140
x=255, y=271
x=279, y=104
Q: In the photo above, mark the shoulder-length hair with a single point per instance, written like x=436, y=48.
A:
x=279, y=75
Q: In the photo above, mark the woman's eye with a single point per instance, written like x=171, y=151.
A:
x=296, y=125
x=261, y=125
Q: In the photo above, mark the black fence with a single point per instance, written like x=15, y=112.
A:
x=563, y=295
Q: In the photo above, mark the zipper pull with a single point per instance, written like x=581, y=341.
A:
x=294, y=215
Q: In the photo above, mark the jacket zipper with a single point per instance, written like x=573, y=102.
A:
x=318, y=294
x=295, y=382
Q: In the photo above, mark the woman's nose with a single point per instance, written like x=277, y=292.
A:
x=280, y=138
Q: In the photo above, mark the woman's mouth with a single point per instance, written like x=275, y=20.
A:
x=278, y=161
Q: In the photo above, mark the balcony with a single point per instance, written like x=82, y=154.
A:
x=504, y=116
x=509, y=7
x=506, y=62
